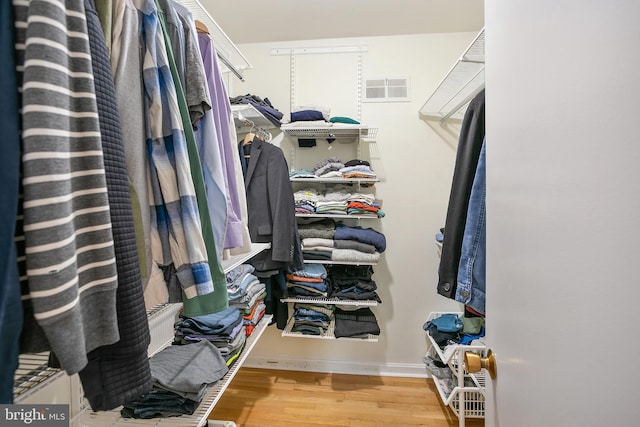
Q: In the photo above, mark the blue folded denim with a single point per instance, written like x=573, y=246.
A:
x=305, y=313
x=239, y=272
x=312, y=271
x=241, y=285
x=211, y=323
x=195, y=330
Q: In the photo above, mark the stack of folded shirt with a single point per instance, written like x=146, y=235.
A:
x=176, y=390
x=329, y=168
x=312, y=319
x=333, y=201
x=247, y=294
x=353, y=322
x=336, y=201
x=352, y=282
x=251, y=319
x=357, y=169
x=363, y=204
x=312, y=271
x=362, y=235
x=306, y=286
x=302, y=173
x=325, y=229
x=348, y=244
x=305, y=200
x=224, y=329
x=319, y=249
x=238, y=280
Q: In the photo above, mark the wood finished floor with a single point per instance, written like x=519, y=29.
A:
x=276, y=398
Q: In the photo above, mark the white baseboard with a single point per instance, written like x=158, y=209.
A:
x=339, y=367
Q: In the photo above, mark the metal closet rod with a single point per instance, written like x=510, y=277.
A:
x=265, y=133
x=461, y=104
x=230, y=66
x=219, y=37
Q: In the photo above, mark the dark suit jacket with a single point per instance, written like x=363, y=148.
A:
x=270, y=206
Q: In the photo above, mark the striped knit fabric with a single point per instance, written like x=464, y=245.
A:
x=177, y=235
x=68, y=244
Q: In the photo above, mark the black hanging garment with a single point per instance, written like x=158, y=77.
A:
x=469, y=146
x=118, y=372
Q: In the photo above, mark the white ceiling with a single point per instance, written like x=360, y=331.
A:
x=253, y=21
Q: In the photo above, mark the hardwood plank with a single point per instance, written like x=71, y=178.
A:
x=276, y=398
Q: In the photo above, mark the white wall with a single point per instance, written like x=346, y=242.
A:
x=416, y=164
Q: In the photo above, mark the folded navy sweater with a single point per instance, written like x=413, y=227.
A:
x=363, y=235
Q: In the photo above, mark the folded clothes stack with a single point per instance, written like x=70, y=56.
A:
x=176, y=390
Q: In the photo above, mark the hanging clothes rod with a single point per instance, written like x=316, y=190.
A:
x=230, y=67
x=265, y=134
x=228, y=53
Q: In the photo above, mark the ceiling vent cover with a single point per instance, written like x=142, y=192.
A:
x=386, y=89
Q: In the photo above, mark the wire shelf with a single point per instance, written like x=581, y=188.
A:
x=336, y=301
x=467, y=397
x=345, y=132
x=199, y=417
x=344, y=215
x=335, y=180
x=230, y=56
x=329, y=262
x=32, y=372
x=328, y=335
x=463, y=81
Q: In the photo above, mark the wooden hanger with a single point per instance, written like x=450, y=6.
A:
x=201, y=28
x=248, y=138
x=246, y=145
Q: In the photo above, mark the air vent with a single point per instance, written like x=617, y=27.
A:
x=386, y=89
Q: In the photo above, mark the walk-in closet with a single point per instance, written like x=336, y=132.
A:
x=330, y=213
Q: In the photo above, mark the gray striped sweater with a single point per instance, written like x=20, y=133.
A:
x=68, y=243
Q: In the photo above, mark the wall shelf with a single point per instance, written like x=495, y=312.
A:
x=329, y=262
x=246, y=114
x=36, y=383
x=329, y=335
x=199, y=417
x=235, y=260
x=461, y=84
x=341, y=216
x=322, y=132
x=336, y=180
x=336, y=301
